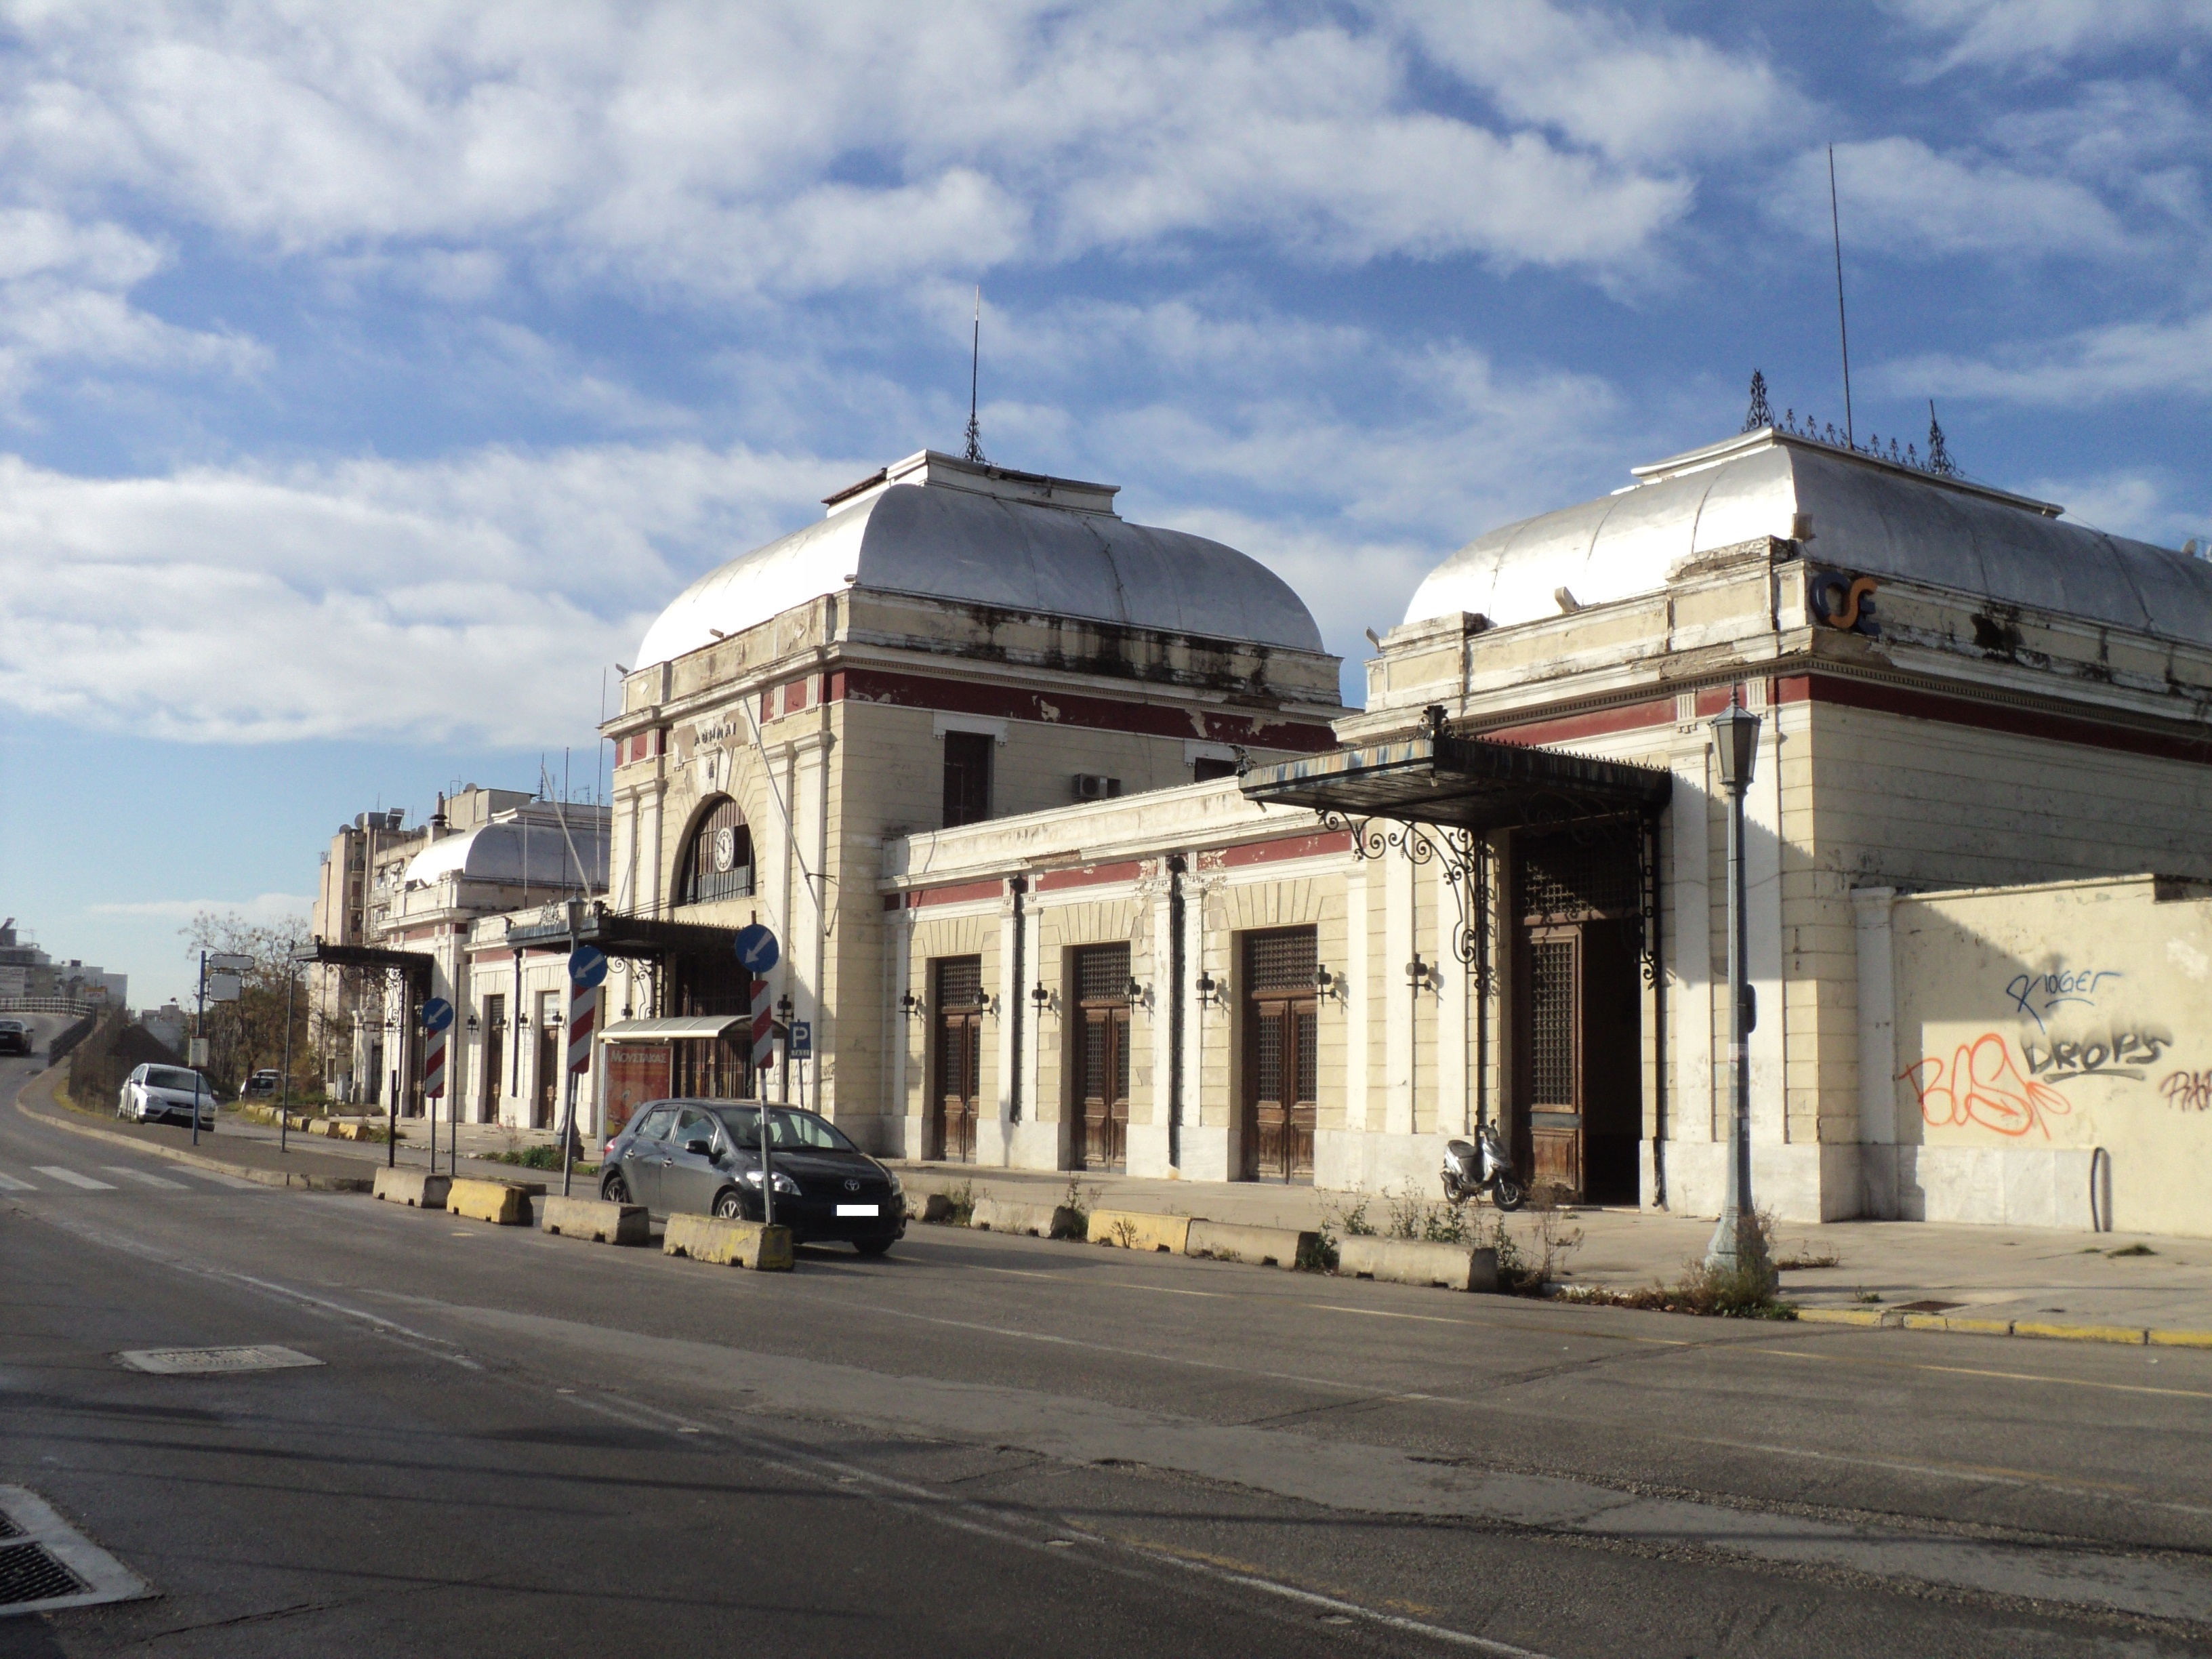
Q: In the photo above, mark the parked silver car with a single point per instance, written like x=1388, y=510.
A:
x=164, y=1094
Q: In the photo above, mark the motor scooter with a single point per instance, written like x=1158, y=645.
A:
x=1479, y=1166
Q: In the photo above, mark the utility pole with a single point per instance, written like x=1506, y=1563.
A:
x=199, y=1040
x=284, y=1093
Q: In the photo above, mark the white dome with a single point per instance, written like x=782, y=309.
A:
x=515, y=851
x=1866, y=516
x=947, y=529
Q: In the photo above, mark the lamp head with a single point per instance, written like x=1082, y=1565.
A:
x=1736, y=746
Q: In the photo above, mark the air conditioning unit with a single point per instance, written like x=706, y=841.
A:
x=1091, y=786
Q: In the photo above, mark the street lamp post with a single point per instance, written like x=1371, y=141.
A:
x=1735, y=744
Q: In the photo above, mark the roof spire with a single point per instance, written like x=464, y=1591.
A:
x=1939, y=455
x=1760, y=415
x=975, y=363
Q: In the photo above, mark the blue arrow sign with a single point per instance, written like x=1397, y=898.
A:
x=587, y=967
x=437, y=1014
x=756, y=950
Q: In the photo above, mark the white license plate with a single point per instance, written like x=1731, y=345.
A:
x=856, y=1209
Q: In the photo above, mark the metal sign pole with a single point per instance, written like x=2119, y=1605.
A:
x=284, y=1092
x=202, y=1034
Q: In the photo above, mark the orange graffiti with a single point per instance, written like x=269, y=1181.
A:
x=1984, y=1088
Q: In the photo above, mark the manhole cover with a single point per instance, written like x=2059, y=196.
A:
x=214, y=1362
x=48, y=1565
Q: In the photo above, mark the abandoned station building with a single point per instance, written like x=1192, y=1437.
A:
x=1077, y=861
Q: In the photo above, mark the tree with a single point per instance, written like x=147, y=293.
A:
x=249, y=1034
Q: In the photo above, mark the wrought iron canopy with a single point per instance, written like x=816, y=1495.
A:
x=416, y=965
x=1467, y=783
x=625, y=936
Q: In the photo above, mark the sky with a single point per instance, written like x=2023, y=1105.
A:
x=370, y=376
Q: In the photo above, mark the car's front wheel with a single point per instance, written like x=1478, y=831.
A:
x=615, y=1189
x=872, y=1246
x=730, y=1206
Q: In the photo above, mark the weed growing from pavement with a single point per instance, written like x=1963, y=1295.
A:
x=1081, y=1202
x=2133, y=1249
x=1743, y=1291
x=1806, y=1260
x=960, y=1205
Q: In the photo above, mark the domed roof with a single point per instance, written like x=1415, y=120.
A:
x=949, y=529
x=1864, y=516
x=523, y=848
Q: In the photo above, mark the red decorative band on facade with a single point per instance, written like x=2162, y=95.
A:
x=1063, y=708
x=1090, y=875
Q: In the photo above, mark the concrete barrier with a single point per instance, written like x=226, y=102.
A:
x=927, y=1206
x=419, y=1187
x=1263, y=1246
x=1413, y=1262
x=999, y=1215
x=1140, y=1230
x=503, y=1203
x=596, y=1219
x=732, y=1243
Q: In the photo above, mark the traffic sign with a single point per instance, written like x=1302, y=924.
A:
x=223, y=962
x=802, y=1039
x=436, y=1014
x=757, y=950
x=587, y=966
x=222, y=987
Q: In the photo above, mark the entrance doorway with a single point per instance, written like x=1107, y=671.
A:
x=1102, y=1057
x=546, y=1101
x=494, y=1060
x=958, y=1070
x=1282, y=1058
x=1578, y=1099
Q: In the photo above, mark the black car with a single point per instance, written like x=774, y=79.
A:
x=15, y=1037
x=702, y=1157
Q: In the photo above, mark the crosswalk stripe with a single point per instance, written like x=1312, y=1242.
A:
x=74, y=1179
x=150, y=1180
x=10, y=1184
x=220, y=1180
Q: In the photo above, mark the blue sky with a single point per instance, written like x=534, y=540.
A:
x=370, y=376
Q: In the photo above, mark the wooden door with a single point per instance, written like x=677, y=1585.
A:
x=546, y=1105
x=1551, y=1026
x=1102, y=1057
x=958, y=1041
x=1281, y=1054
x=495, y=1059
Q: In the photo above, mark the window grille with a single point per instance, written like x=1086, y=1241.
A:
x=1280, y=960
x=1308, y=1041
x=967, y=777
x=960, y=982
x=1270, y=1057
x=1563, y=876
x=1552, y=1022
x=1101, y=972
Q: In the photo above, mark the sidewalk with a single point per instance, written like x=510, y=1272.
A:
x=1993, y=1273
x=251, y=1150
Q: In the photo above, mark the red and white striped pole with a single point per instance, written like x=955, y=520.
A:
x=763, y=1057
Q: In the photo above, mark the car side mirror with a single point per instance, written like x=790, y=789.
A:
x=700, y=1148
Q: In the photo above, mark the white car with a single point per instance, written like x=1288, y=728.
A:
x=164, y=1094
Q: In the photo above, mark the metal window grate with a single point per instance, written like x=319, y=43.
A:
x=1101, y=972
x=1309, y=1040
x=1270, y=1066
x=1552, y=1022
x=1094, y=1058
x=960, y=982
x=719, y=864
x=1578, y=876
x=29, y=1572
x=1121, y=1057
x=1282, y=959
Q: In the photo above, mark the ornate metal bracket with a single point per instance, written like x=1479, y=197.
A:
x=1464, y=857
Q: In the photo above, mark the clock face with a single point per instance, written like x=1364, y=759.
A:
x=725, y=849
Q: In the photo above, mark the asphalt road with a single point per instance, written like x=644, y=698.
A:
x=519, y=1444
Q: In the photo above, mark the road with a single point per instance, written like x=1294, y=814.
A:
x=519, y=1444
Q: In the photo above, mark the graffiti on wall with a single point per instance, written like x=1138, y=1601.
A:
x=2038, y=996
x=2188, y=1091
x=2121, y=1053
x=1982, y=1086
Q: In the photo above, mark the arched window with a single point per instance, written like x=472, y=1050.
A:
x=718, y=863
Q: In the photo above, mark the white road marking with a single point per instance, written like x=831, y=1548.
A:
x=10, y=1184
x=220, y=1180
x=150, y=1180
x=73, y=1178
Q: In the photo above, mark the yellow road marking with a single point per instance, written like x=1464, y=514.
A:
x=1972, y=1370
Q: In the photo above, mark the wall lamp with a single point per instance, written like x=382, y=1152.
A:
x=783, y=1010
x=1211, y=991
x=1139, y=996
x=521, y=1019
x=1328, y=984
x=553, y=1020
x=1041, y=997
x=472, y=1022
x=911, y=1006
x=1421, y=976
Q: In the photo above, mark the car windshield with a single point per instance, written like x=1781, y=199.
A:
x=795, y=1132
x=173, y=1077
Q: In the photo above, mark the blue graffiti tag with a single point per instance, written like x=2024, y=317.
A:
x=2057, y=988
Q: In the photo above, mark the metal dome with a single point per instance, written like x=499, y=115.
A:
x=1863, y=514
x=949, y=529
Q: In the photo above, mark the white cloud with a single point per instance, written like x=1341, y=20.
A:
x=2132, y=501
x=263, y=908
x=792, y=149
x=469, y=600
x=1901, y=197
x=2004, y=33
x=2118, y=360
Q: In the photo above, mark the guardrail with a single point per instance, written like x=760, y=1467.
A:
x=78, y=1005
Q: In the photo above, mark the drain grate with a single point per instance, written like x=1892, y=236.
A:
x=53, y=1566
x=28, y=1572
x=214, y=1362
